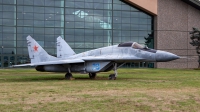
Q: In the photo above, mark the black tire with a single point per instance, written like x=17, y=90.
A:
x=112, y=77
x=68, y=76
x=92, y=75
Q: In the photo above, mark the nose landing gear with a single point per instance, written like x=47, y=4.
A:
x=113, y=76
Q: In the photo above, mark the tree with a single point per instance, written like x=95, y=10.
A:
x=195, y=37
x=148, y=40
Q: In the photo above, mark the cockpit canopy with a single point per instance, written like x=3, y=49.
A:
x=131, y=44
x=135, y=45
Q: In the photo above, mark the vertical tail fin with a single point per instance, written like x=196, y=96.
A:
x=36, y=52
x=63, y=49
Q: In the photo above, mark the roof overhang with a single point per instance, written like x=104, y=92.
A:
x=149, y=6
x=194, y=3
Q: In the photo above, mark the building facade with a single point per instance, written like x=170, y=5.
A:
x=90, y=24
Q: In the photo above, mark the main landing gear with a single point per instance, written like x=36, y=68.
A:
x=68, y=75
x=92, y=75
x=113, y=76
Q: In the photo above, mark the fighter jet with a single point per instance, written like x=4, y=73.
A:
x=94, y=61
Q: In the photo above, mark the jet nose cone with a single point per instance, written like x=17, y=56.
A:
x=162, y=56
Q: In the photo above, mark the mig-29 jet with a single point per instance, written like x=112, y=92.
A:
x=98, y=60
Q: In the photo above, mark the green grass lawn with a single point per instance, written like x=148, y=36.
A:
x=134, y=90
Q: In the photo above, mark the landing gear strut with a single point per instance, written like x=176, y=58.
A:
x=92, y=75
x=113, y=76
x=68, y=75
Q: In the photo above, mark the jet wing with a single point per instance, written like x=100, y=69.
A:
x=109, y=58
x=66, y=61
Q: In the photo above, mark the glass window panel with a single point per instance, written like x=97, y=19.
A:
x=28, y=2
x=49, y=16
x=116, y=6
x=38, y=9
x=49, y=30
x=39, y=2
x=69, y=38
x=142, y=27
x=8, y=8
x=59, y=3
x=49, y=2
x=59, y=17
x=134, y=27
x=28, y=16
x=20, y=1
x=9, y=29
x=20, y=16
x=8, y=15
x=134, y=33
x=20, y=22
x=134, y=20
x=143, y=33
x=69, y=31
x=126, y=7
x=39, y=38
x=21, y=44
x=79, y=45
x=69, y=4
x=142, y=15
x=38, y=16
x=88, y=38
x=117, y=20
x=38, y=23
x=8, y=44
x=59, y=23
x=28, y=30
x=142, y=21
x=39, y=30
x=9, y=1
x=107, y=6
x=49, y=44
x=9, y=36
x=98, y=45
x=50, y=38
x=69, y=24
x=126, y=14
x=49, y=10
x=117, y=13
x=27, y=8
x=28, y=22
x=126, y=20
x=126, y=33
x=79, y=24
x=9, y=22
x=50, y=51
x=79, y=38
x=59, y=31
x=49, y=23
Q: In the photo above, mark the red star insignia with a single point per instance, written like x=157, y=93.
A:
x=35, y=48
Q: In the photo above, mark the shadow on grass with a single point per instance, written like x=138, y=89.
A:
x=43, y=79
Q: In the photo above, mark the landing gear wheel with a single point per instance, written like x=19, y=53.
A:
x=92, y=75
x=112, y=77
x=68, y=76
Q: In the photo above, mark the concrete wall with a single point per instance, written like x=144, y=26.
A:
x=173, y=22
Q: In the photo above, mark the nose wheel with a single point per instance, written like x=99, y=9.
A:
x=113, y=76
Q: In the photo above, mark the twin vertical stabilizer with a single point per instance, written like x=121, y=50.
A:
x=37, y=53
x=63, y=49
